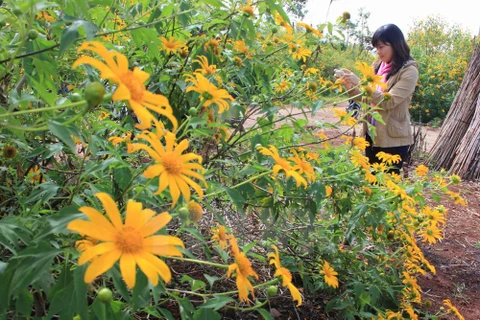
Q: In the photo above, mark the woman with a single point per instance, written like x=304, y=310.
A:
x=400, y=74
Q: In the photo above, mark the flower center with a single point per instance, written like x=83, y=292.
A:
x=172, y=163
x=129, y=240
x=135, y=87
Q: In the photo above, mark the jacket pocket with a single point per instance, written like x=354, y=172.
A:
x=397, y=129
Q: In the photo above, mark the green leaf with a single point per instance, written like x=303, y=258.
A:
x=12, y=231
x=57, y=223
x=26, y=268
x=167, y=314
x=24, y=302
x=215, y=3
x=265, y=314
x=122, y=177
x=71, y=34
x=44, y=90
x=64, y=133
x=185, y=306
x=206, y=314
x=210, y=279
x=217, y=302
x=43, y=192
x=377, y=116
x=236, y=197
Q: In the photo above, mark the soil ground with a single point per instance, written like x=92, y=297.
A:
x=457, y=256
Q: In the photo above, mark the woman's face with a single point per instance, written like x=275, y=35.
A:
x=385, y=52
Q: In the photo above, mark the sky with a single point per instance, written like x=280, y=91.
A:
x=403, y=13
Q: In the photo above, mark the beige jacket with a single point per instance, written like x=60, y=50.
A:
x=397, y=130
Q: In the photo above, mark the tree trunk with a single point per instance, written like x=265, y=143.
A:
x=457, y=147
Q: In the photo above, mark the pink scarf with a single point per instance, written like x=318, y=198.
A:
x=383, y=71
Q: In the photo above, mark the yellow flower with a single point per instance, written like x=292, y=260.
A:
x=172, y=167
x=248, y=10
x=421, y=170
x=242, y=268
x=195, y=210
x=301, y=53
x=369, y=75
x=129, y=84
x=431, y=233
x=220, y=235
x=282, y=164
x=241, y=47
x=35, y=175
x=286, y=276
x=328, y=191
x=388, y=158
x=303, y=166
x=360, y=143
x=131, y=242
x=213, y=44
x=45, y=15
x=309, y=29
x=125, y=138
x=455, y=196
x=171, y=45
x=359, y=160
x=103, y=115
x=330, y=275
x=453, y=309
x=205, y=67
x=209, y=93
x=282, y=86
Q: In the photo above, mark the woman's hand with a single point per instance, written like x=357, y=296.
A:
x=349, y=79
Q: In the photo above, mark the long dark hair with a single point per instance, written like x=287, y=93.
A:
x=391, y=35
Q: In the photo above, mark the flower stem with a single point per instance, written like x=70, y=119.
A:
x=213, y=264
x=65, y=106
x=240, y=184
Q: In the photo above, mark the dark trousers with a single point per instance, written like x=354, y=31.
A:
x=371, y=154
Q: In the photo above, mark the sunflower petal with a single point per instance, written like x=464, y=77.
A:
x=101, y=265
x=128, y=269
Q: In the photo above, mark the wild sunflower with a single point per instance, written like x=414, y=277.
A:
x=369, y=75
x=171, y=46
x=388, y=158
x=220, y=235
x=129, y=84
x=36, y=175
x=206, y=68
x=195, y=211
x=9, y=152
x=453, y=309
x=173, y=168
x=431, y=234
x=330, y=275
x=209, y=93
x=132, y=242
x=303, y=166
x=301, y=54
x=242, y=268
x=282, y=164
x=286, y=276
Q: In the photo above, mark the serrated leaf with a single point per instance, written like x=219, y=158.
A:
x=43, y=192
